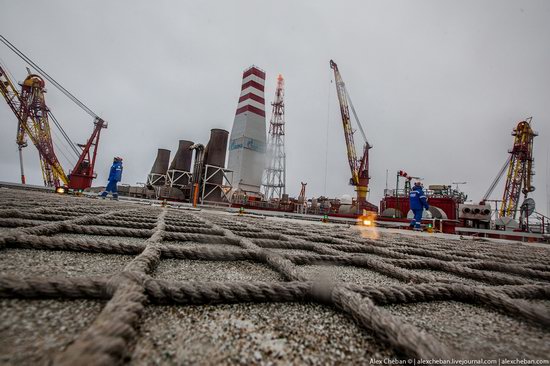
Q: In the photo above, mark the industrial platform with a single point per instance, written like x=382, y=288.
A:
x=86, y=281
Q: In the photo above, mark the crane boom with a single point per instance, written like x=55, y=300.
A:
x=359, y=167
x=520, y=169
x=496, y=180
x=31, y=111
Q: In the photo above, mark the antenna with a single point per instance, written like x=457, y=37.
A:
x=459, y=183
x=547, y=182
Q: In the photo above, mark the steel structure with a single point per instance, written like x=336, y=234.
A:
x=520, y=169
x=302, y=195
x=359, y=166
x=274, y=184
x=179, y=174
x=157, y=175
x=29, y=106
x=495, y=182
x=214, y=166
x=83, y=173
x=31, y=111
x=216, y=185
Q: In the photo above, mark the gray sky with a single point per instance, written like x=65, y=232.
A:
x=438, y=85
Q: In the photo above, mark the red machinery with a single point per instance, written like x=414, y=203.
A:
x=32, y=113
x=445, y=200
x=444, y=203
x=83, y=173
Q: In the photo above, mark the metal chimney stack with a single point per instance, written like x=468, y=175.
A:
x=157, y=176
x=178, y=174
x=214, y=155
x=182, y=159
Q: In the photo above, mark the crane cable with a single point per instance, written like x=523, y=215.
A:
x=5, y=67
x=497, y=179
x=69, y=141
x=62, y=148
x=326, y=138
x=357, y=118
x=56, y=122
x=47, y=77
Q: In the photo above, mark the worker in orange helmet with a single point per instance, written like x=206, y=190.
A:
x=417, y=202
x=115, y=175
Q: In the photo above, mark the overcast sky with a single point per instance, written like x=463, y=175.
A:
x=438, y=85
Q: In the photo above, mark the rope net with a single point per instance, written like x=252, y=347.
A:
x=507, y=278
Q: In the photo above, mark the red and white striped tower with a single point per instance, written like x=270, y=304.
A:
x=248, y=136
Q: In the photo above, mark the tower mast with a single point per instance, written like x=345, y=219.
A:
x=520, y=169
x=275, y=171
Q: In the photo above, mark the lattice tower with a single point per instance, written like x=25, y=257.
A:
x=520, y=169
x=275, y=172
x=31, y=111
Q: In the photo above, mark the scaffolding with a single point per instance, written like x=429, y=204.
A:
x=212, y=183
x=181, y=180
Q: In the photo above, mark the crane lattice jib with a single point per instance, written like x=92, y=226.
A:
x=520, y=169
x=354, y=164
x=31, y=111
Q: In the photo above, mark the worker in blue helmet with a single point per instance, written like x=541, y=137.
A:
x=115, y=175
x=418, y=202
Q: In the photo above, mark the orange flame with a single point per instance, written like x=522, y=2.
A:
x=367, y=226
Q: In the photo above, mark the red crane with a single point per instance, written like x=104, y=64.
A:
x=32, y=113
x=359, y=167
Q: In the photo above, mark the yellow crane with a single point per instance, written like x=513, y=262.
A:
x=31, y=111
x=359, y=167
x=33, y=121
x=520, y=169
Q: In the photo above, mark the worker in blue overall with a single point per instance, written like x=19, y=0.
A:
x=115, y=175
x=418, y=202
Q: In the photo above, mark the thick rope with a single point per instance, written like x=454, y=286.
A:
x=519, y=276
x=105, y=342
x=87, y=287
x=403, y=337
